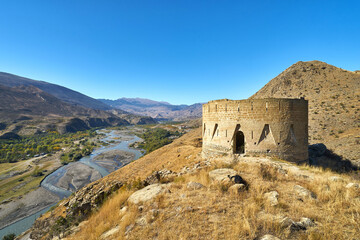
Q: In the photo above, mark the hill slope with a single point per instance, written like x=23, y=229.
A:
x=211, y=210
x=154, y=109
x=31, y=101
x=63, y=93
x=334, y=106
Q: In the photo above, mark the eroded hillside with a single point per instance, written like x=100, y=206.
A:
x=334, y=103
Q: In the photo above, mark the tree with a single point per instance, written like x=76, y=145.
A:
x=10, y=236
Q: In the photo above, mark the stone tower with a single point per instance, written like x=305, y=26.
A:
x=274, y=127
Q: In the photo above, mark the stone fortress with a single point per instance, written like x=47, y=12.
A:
x=253, y=127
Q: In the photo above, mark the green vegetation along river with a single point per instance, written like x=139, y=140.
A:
x=69, y=178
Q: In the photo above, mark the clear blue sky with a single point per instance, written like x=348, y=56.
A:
x=175, y=51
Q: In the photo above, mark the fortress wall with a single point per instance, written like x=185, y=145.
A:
x=284, y=120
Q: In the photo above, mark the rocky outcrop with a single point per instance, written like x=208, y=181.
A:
x=269, y=237
x=146, y=194
x=272, y=198
x=319, y=155
x=237, y=188
x=221, y=174
x=303, y=193
x=159, y=176
x=286, y=222
x=194, y=186
x=76, y=208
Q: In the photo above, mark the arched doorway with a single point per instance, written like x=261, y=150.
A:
x=239, y=142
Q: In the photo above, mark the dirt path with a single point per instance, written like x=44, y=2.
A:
x=22, y=163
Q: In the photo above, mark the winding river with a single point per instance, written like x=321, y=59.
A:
x=115, y=140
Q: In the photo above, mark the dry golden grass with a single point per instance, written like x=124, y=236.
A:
x=211, y=213
x=109, y=217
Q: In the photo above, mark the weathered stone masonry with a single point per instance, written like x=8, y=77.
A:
x=275, y=127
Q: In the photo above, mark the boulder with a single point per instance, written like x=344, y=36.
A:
x=194, y=186
x=221, y=174
x=269, y=237
x=159, y=176
x=108, y=234
x=306, y=222
x=283, y=221
x=352, y=186
x=146, y=194
x=142, y=221
x=123, y=210
x=352, y=190
x=272, y=197
x=317, y=150
x=303, y=192
x=336, y=179
x=237, y=188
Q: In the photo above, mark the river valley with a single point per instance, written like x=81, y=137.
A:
x=18, y=216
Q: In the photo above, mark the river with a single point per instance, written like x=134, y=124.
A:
x=114, y=139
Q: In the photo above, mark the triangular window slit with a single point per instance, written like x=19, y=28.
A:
x=215, y=128
x=266, y=135
x=291, y=135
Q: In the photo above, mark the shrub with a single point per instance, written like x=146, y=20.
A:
x=10, y=236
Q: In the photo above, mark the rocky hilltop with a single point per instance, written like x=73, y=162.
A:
x=157, y=110
x=334, y=103
x=180, y=195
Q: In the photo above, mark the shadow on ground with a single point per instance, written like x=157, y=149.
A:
x=320, y=156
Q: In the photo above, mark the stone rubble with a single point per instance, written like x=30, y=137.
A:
x=221, y=174
x=237, y=188
x=194, y=186
x=303, y=192
x=269, y=237
x=272, y=197
x=147, y=193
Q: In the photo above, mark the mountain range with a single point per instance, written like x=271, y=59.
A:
x=157, y=110
x=28, y=106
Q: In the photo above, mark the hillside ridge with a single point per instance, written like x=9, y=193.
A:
x=63, y=93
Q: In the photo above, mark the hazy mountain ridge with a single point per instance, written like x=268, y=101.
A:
x=62, y=93
x=333, y=95
x=155, y=109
